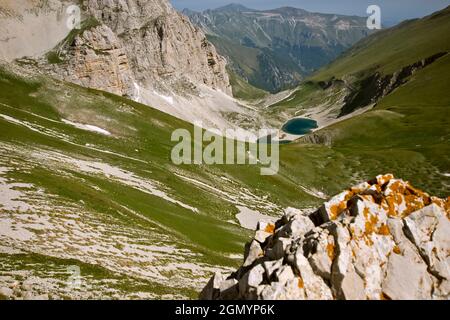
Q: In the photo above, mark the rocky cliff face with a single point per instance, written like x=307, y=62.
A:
x=161, y=44
x=382, y=239
x=30, y=28
x=148, y=38
x=95, y=59
x=144, y=50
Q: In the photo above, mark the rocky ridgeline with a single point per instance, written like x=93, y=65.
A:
x=382, y=239
x=119, y=45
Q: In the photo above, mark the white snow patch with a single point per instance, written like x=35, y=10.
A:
x=87, y=127
x=168, y=99
x=137, y=92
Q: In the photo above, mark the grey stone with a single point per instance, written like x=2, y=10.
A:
x=279, y=248
x=406, y=278
x=252, y=278
x=229, y=289
x=254, y=252
x=352, y=286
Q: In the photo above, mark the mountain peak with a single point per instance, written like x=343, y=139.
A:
x=233, y=7
x=289, y=11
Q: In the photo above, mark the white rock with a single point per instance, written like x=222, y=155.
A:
x=407, y=278
x=370, y=246
x=429, y=229
x=285, y=274
x=261, y=236
x=315, y=287
x=352, y=286
x=297, y=228
x=251, y=279
x=254, y=252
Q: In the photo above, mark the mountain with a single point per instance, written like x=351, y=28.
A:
x=385, y=103
x=276, y=49
x=87, y=183
x=145, y=51
x=91, y=204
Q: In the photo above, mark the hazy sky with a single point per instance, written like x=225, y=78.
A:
x=392, y=10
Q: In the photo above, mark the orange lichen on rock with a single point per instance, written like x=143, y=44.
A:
x=388, y=204
x=447, y=207
x=371, y=222
x=397, y=250
x=366, y=212
x=339, y=204
x=301, y=284
x=384, y=230
x=368, y=228
x=443, y=203
x=330, y=251
x=413, y=203
x=270, y=228
x=381, y=180
x=337, y=209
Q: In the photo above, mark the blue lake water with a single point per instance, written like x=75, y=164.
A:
x=300, y=126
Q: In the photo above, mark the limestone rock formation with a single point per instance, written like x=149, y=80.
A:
x=161, y=44
x=382, y=239
x=149, y=38
x=143, y=50
x=96, y=59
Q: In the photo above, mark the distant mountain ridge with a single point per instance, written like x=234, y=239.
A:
x=275, y=49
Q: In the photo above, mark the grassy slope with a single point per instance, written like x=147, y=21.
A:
x=257, y=64
x=391, y=49
x=140, y=144
x=408, y=132
x=243, y=90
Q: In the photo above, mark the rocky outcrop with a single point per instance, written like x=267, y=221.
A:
x=382, y=239
x=143, y=50
x=161, y=44
x=94, y=59
x=130, y=43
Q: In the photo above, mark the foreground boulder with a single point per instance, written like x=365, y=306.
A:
x=382, y=239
